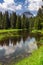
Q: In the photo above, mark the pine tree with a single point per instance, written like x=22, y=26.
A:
x=18, y=23
x=13, y=18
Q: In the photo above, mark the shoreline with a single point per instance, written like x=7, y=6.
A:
x=14, y=33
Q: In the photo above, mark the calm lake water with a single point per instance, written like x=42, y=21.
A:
x=15, y=48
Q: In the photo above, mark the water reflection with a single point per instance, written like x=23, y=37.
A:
x=20, y=48
x=14, y=48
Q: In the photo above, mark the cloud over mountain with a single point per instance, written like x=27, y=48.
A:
x=18, y=5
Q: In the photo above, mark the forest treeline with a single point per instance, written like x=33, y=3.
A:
x=14, y=21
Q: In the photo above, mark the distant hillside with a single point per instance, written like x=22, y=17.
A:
x=28, y=14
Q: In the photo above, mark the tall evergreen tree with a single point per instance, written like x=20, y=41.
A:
x=6, y=20
x=18, y=23
x=1, y=20
x=23, y=22
x=13, y=18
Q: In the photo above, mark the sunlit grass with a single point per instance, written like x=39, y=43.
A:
x=37, y=31
x=0, y=63
x=9, y=30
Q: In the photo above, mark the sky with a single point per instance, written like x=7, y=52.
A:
x=20, y=6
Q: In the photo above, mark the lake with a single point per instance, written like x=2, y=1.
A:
x=19, y=47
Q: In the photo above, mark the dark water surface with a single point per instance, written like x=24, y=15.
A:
x=15, y=48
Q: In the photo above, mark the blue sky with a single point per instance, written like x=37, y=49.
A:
x=1, y=1
x=19, y=6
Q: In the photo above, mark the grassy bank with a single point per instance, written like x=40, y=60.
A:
x=14, y=32
x=37, y=31
x=0, y=63
x=9, y=33
x=35, y=59
x=9, y=30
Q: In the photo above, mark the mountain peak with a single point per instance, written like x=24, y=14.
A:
x=28, y=14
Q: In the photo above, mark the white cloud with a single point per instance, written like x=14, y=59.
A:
x=35, y=0
x=9, y=1
x=34, y=4
x=19, y=7
x=10, y=5
x=42, y=3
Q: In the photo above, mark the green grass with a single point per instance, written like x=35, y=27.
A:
x=41, y=41
x=0, y=63
x=35, y=59
x=37, y=31
x=9, y=30
x=13, y=33
x=9, y=33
